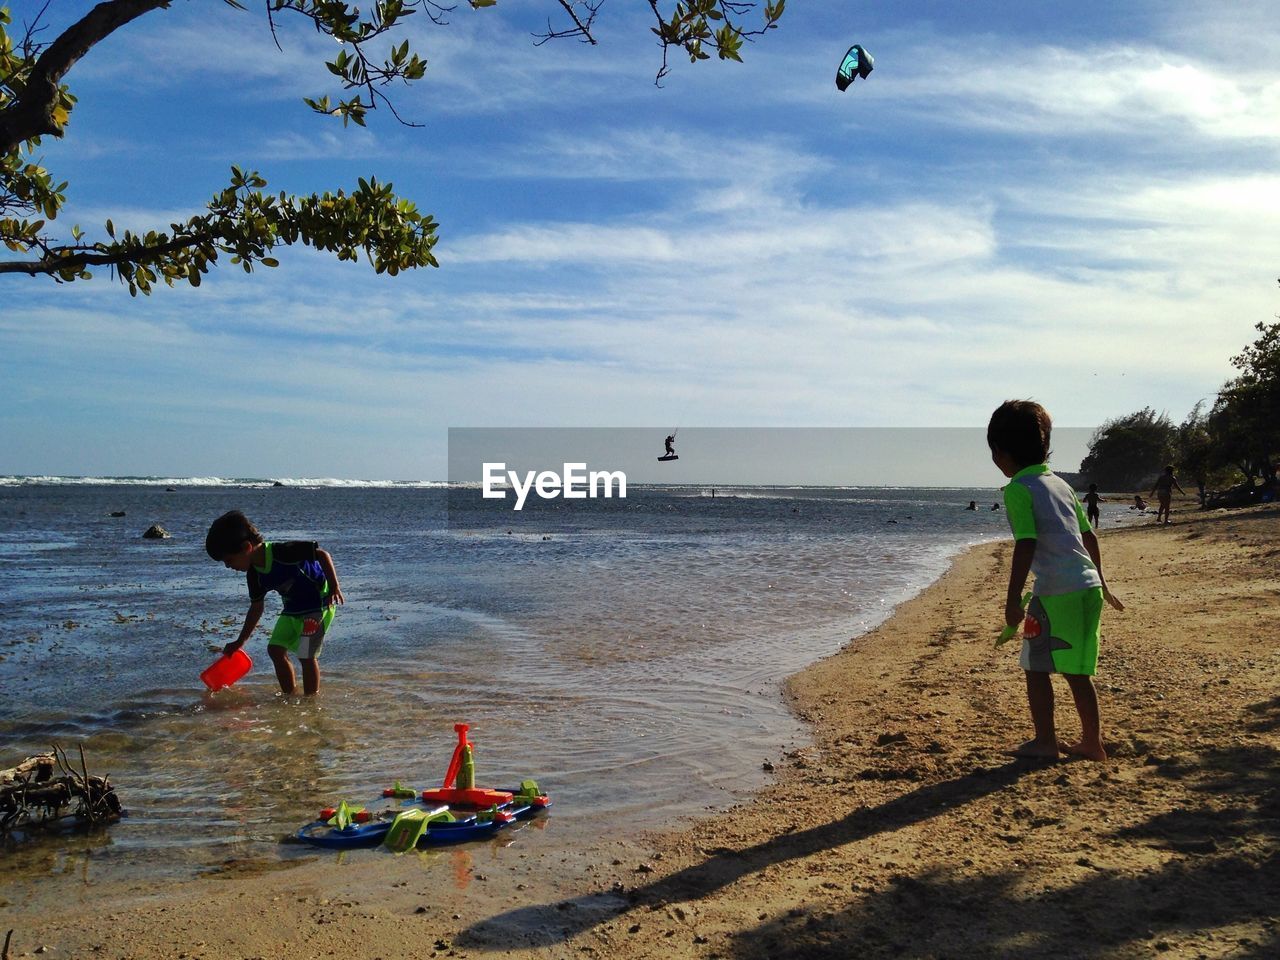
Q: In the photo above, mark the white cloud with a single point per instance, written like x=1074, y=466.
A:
x=616, y=152
x=320, y=143
x=909, y=236
x=1116, y=89
x=214, y=44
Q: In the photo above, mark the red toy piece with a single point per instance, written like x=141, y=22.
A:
x=462, y=791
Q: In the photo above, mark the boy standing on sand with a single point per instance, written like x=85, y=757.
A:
x=1163, y=489
x=1091, y=501
x=1053, y=539
x=304, y=576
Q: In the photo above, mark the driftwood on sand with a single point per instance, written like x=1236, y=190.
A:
x=45, y=790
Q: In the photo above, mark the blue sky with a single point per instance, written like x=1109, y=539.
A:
x=1074, y=202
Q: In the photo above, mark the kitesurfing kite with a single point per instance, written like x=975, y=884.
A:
x=857, y=63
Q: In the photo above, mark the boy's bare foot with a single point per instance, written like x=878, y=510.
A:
x=1035, y=750
x=1090, y=751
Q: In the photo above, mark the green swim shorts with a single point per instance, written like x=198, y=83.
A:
x=302, y=635
x=1060, y=634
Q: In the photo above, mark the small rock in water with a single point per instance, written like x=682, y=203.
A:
x=156, y=532
x=117, y=513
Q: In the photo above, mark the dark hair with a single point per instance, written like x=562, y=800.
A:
x=1093, y=487
x=1021, y=429
x=229, y=533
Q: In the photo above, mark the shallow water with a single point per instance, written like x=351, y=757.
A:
x=627, y=654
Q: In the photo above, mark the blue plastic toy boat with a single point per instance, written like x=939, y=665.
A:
x=459, y=811
x=466, y=825
x=321, y=833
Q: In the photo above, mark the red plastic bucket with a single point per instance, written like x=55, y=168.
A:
x=226, y=670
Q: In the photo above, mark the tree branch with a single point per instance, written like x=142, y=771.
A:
x=248, y=224
x=60, y=259
x=31, y=113
x=581, y=25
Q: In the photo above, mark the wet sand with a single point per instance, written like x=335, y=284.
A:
x=905, y=830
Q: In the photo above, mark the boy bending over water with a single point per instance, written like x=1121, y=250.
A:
x=304, y=576
x=1055, y=541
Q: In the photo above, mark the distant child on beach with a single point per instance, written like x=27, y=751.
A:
x=305, y=578
x=1091, y=501
x=1163, y=490
x=1053, y=540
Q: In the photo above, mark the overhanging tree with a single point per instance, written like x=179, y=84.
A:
x=1195, y=450
x=1126, y=453
x=243, y=220
x=1245, y=420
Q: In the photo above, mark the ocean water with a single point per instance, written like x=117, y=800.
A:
x=628, y=654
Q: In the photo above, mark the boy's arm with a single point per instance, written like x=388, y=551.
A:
x=1022, y=523
x=251, y=618
x=1023, y=553
x=330, y=574
x=1095, y=554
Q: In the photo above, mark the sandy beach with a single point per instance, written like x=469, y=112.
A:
x=906, y=830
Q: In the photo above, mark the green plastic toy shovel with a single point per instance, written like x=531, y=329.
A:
x=1010, y=630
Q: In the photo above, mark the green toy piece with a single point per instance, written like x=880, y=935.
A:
x=344, y=816
x=467, y=770
x=400, y=792
x=406, y=829
x=409, y=826
x=1010, y=630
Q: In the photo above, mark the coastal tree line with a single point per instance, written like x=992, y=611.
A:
x=1229, y=444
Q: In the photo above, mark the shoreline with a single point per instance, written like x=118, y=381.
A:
x=891, y=835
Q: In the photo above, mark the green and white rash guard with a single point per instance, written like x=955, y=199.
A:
x=1043, y=507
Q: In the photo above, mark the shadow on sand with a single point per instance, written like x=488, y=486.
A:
x=1218, y=866
x=548, y=924
x=1215, y=866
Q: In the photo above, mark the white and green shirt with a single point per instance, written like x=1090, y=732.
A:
x=1042, y=507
